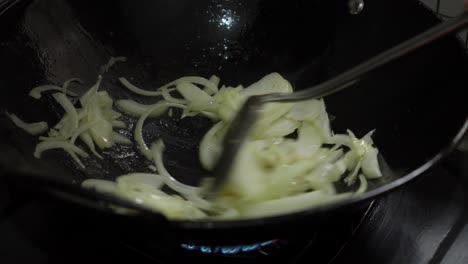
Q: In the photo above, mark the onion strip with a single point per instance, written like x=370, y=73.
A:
x=275, y=174
x=151, y=179
x=209, y=85
x=88, y=140
x=363, y=184
x=92, y=91
x=32, y=128
x=36, y=92
x=157, y=152
x=138, y=135
x=99, y=185
x=75, y=157
x=47, y=145
x=351, y=178
x=121, y=139
x=119, y=124
x=168, y=97
x=136, y=89
x=68, y=82
x=82, y=129
x=136, y=109
x=69, y=109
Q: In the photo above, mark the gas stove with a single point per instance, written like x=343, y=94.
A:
x=423, y=222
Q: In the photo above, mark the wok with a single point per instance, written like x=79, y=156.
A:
x=417, y=105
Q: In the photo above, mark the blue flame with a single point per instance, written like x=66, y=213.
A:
x=228, y=250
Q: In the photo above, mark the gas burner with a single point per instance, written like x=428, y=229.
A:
x=325, y=241
x=234, y=250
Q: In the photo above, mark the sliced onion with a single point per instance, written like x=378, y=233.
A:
x=370, y=164
x=168, y=97
x=270, y=113
x=229, y=101
x=272, y=83
x=150, y=179
x=119, y=124
x=306, y=110
x=209, y=115
x=184, y=189
x=248, y=178
x=368, y=137
x=101, y=132
x=88, y=140
x=121, y=139
x=136, y=109
x=351, y=178
x=209, y=85
x=280, y=128
x=215, y=81
x=111, y=115
x=72, y=115
x=99, y=185
x=172, y=206
x=91, y=92
x=74, y=157
x=291, y=204
x=198, y=99
x=83, y=128
x=139, y=130
x=309, y=135
x=323, y=123
x=211, y=146
x=363, y=184
x=325, y=174
x=136, y=89
x=36, y=128
x=68, y=82
x=36, y=92
x=270, y=173
x=47, y=145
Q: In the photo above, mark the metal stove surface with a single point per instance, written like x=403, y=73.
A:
x=425, y=222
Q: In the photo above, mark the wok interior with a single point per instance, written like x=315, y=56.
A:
x=417, y=105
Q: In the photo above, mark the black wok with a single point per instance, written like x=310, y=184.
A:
x=417, y=105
